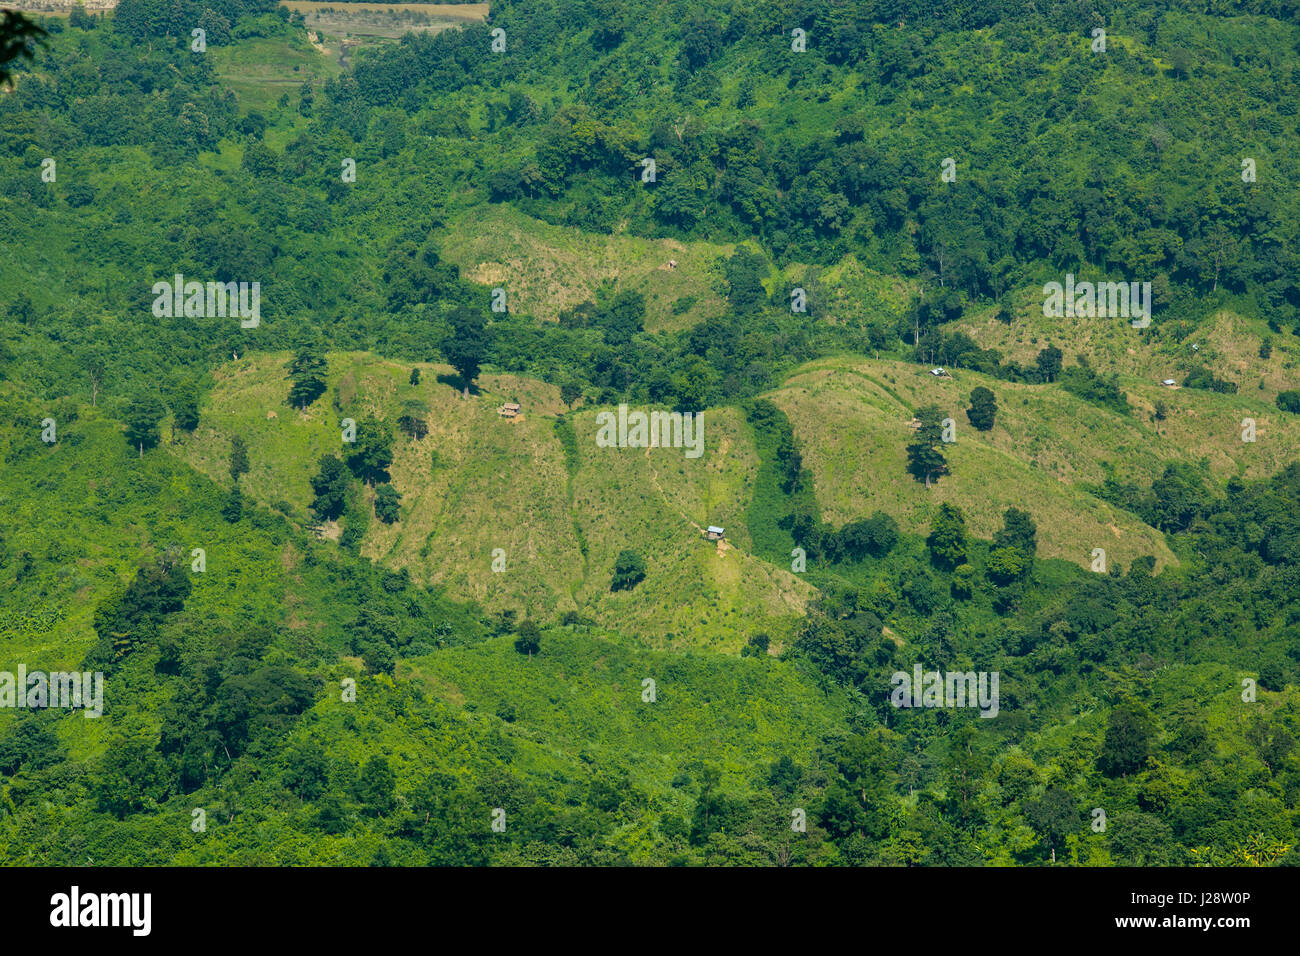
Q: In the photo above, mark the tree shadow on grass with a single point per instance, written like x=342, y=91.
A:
x=458, y=383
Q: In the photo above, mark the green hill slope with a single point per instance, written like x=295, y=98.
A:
x=546, y=269
x=479, y=482
x=851, y=416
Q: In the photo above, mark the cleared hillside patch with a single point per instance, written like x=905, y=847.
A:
x=479, y=482
x=546, y=269
x=1227, y=343
x=851, y=417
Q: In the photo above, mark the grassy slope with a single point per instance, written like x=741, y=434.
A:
x=259, y=70
x=850, y=417
x=504, y=484
x=547, y=268
x=1200, y=424
x=480, y=482
x=1228, y=345
x=657, y=502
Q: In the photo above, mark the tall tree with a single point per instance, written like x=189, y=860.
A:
x=96, y=366
x=629, y=570
x=924, y=459
x=185, y=410
x=528, y=639
x=413, y=421
x=233, y=509
x=19, y=38
x=745, y=292
x=142, y=417
x=983, y=408
x=238, y=457
x=622, y=317
x=467, y=345
x=1054, y=816
x=159, y=588
x=1128, y=741
x=372, y=453
x=947, y=540
x=388, y=503
x=1018, y=531
x=330, y=486
x=1049, y=363
x=307, y=372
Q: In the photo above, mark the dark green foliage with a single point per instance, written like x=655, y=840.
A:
x=1203, y=378
x=131, y=778
x=332, y=815
x=375, y=788
x=233, y=509
x=466, y=347
x=621, y=318
x=1178, y=496
x=925, y=461
x=1092, y=386
x=983, y=408
x=141, y=19
x=1014, y=545
x=415, y=274
x=1128, y=741
x=874, y=536
x=142, y=417
x=1007, y=564
x=1142, y=839
x=387, y=503
x=1054, y=817
x=629, y=571
x=413, y=420
x=238, y=458
x=29, y=744
x=1049, y=363
x=379, y=657
x=19, y=37
x=528, y=639
x=132, y=617
x=372, y=452
x=307, y=372
x=22, y=311
x=947, y=539
x=745, y=272
x=1289, y=401
x=1018, y=531
x=267, y=699
x=185, y=410
x=1272, y=675
x=307, y=771
x=330, y=486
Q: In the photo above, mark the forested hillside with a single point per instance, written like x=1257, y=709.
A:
x=352, y=606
